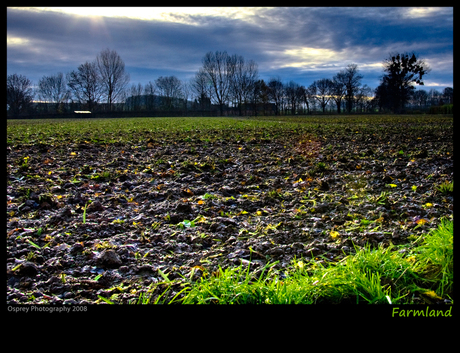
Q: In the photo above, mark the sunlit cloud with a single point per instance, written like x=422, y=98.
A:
x=16, y=41
x=377, y=65
x=187, y=15
x=306, y=57
x=416, y=12
x=436, y=84
x=325, y=59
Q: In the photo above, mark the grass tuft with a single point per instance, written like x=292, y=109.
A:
x=371, y=276
x=436, y=258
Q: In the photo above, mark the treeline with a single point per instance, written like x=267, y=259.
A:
x=224, y=85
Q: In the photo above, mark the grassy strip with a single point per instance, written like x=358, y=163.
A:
x=139, y=130
x=382, y=275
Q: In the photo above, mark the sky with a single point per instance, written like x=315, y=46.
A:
x=302, y=44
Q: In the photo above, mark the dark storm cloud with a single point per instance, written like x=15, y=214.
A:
x=299, y=44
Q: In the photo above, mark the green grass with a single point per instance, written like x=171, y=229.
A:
x=436, y=258
x=139, y=130
x=371, y=276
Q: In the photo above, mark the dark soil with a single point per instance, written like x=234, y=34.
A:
x=87, y=220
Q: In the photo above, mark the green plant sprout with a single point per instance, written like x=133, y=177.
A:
x=445, y=187
x=84, y=213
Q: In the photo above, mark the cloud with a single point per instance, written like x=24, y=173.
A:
x=301, y=43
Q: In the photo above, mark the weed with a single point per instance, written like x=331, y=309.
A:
x=381, y=199
x=321, y=166
x=446, y=187
x=207, y=196
x=186, y=224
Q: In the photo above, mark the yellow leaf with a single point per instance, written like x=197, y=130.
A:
x=334, y=234
x=428, y=204
x=422, y=221
x=73, y=154
x=200, y=202
x=432, y=294
x=259, y=213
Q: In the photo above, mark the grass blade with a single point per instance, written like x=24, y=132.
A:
x=105, y=299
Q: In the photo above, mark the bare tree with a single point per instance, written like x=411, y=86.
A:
x=276, y=93
x=351, y=79
x=338, y=89
x=299, y=96
x=149, y=92
x=85, y=84
x=201, y=87
x=243, y=77
x=448, y=94
x=322, y=91
x=186, y=93
x=53, y=89
x=19, y=93
x=135, y=99
x=218, y=70
x=363, y=97
x=293, y=95
x=170, y=89
x=111, y=69
x=307, y=97
x=259, y=94
x=434, y=97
